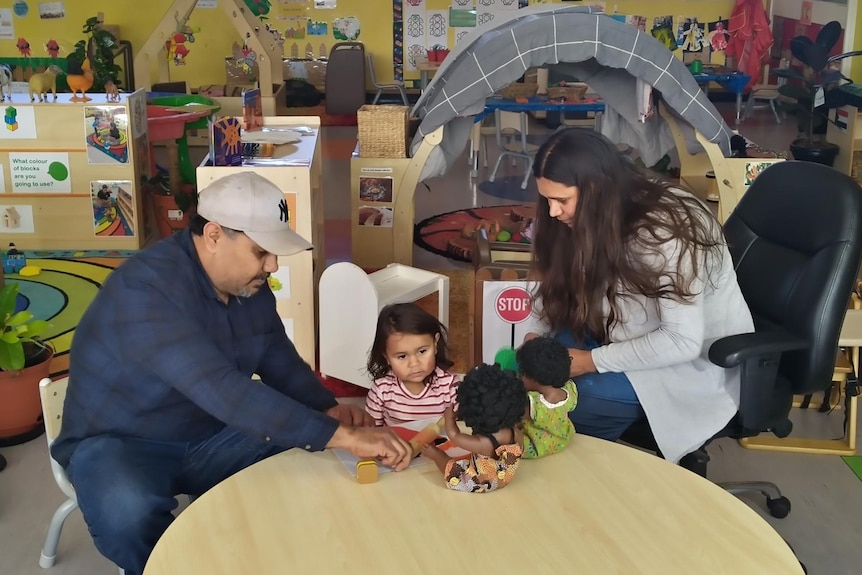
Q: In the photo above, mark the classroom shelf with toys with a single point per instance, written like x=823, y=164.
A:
x=296, y=168
x=70, y=172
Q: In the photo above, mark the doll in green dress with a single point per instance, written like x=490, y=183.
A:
x=543, y=364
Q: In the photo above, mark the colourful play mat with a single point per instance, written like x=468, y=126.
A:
x=60, y=295
x=447, y=234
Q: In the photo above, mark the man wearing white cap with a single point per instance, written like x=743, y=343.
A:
x=161, y=400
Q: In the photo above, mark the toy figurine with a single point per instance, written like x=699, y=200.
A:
x=81, y=82
x=112, y=92
x=492, y=402
x=5, y=83
x=13, y=260
x=543, y=364
x=41, y=82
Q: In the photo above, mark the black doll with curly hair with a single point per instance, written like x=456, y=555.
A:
x=492, y=402
x=543, y=364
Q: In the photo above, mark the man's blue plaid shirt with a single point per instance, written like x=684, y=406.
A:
x=159, y=356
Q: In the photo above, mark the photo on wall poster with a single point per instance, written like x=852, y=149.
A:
x=113, y=208
x=106, y=129
x=374, y=216
x=375, y=189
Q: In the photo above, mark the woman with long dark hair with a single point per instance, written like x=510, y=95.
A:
x=637, y=281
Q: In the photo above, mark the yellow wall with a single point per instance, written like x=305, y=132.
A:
x=214, y=34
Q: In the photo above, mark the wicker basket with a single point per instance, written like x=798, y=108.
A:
x=574, y=93
x=519, y=90
x=383, y=131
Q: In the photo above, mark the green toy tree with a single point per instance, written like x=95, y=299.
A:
x=99, y=46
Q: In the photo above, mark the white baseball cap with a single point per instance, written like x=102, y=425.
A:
x=249, y=203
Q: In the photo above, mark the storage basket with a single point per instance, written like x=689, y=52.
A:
x=519, y=90
x=383, y=131
x=574, y=93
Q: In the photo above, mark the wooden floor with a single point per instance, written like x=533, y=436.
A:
x=824, y=526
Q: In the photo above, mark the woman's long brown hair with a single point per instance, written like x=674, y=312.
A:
x=623, y=217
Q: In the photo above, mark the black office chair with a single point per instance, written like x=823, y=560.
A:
x=796, y=241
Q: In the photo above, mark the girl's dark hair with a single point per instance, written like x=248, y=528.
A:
x=545, y=361
x=623, y=218
x=490, y=399
x=405, y=318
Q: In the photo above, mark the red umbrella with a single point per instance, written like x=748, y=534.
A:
x=750, y=38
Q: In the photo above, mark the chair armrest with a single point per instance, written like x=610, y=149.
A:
x=758, y=355
x=732, y=350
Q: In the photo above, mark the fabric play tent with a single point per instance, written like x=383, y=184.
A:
x=581, y=42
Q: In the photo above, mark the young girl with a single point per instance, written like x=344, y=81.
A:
x=408, y=362
x=543, y=364
x=491, y=401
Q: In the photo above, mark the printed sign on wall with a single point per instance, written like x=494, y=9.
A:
x=507, y=316
x=40, y=172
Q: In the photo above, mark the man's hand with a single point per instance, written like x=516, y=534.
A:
x=379, y=443
x=350, y=415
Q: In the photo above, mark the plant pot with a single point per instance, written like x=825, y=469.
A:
x=169, y=218
x=20, y=406
x=817, y=152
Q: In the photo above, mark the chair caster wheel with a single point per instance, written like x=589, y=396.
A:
x=778, y=507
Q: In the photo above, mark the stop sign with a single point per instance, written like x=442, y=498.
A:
x=514, y=305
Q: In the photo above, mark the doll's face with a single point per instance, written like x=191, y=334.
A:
x=412, y=357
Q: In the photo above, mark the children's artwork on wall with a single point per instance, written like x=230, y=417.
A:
x=397, y=41
x=690, y=36
x=718, y=36
x=40, y=172
x=7, y=29
x=325, y=4
x=621, y=18
x=460, y=34
x=438, y=28
x=287, y=9
x=414, y=32
x=637, y=22
x=113, y=208
x=317, y=29
x=374, y=216
x=662, y=30
x=375, y=189
x=52, y=48
x=16, y=219
x=106, y=132
x=23, y=47
x=52, y=10
x=20, y=8
x=296, y=28
x=321, y=51
x=805, y=12
x=19, y=123
x=346, y=28
x=259, y=8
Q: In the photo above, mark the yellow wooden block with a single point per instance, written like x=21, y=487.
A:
x=366, y=471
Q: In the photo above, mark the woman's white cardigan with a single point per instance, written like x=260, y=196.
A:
x=662, y=347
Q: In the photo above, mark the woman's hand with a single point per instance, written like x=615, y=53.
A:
x=581, y=362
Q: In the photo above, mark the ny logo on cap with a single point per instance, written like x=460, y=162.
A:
x=284, y=216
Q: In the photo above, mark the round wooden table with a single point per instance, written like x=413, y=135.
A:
x=597, y=507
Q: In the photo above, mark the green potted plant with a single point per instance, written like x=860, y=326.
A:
x=24, y=361
x=807, y=92
x=100, y=47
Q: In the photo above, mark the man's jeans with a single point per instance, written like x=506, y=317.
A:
x=126, y=487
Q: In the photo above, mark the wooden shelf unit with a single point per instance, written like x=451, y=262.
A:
x=300, y=177
x=64, y=220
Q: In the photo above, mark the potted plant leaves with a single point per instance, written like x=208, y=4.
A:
x=807, y=90
x=24, y=361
